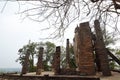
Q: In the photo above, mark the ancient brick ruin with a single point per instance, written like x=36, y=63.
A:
x=101, y=51
x=56, y=62
x=67, y=55
x=40, y=62
x=25, y=63
x=89, y=51
x=84, y=49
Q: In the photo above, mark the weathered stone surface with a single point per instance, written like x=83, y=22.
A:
x=48, y=77
x=40, y=62
x=56, y=62
x=26, y=63
x=76, y=46
x=84, y=49
x=100, y=50
x=69, y=71
x=98, y=65
x=67, y=55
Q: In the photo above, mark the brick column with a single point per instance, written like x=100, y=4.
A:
x=101, y=50
x=76, y=46
x=86, y=59
x=40, y=62
x=67, y=55
x=26, y=63
x=56, y=62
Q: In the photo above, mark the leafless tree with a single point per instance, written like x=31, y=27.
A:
x=62, y=13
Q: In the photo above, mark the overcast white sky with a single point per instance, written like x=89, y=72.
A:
x=14, y=33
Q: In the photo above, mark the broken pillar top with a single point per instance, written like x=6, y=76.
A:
x=76, y=29
x=41, y=48
x=57, y=48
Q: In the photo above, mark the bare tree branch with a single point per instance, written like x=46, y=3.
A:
x=62, y=13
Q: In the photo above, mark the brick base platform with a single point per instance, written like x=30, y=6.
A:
x=47, y=77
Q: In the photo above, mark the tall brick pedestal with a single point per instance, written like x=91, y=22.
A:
x=85, y=59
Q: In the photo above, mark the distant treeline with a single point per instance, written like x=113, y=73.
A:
x=9, y=70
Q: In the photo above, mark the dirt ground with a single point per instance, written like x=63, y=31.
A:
x=115, y=76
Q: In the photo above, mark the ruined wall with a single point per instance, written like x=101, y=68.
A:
x=84, y=49
x=101, y=51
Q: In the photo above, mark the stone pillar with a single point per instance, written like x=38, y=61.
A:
x=86, y=58
x=76, y=46
x=67, y=55
x=26, y=63
x=40, y=62
x=56, y=62
x=98, y=64
x=100, y=50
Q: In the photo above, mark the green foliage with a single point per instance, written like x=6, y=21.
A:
x=72, y=57
x=112, y=65
x=109, y=38
x=46, y=67
x=72, y=63
x=49, y=49
x=32, y=69
x=63, y=57
x=118, y=52
x=22, y=52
